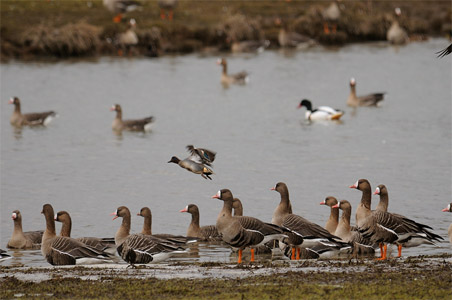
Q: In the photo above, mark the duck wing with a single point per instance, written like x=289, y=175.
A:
x=206, y=156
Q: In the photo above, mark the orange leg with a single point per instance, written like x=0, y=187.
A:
x=293, y=253
x=385, y=249
x=162, y=14
x=252, y=254
x=400, y=250
x=170, y=15
x=239, y=261
x=117, y=18
x=325, y=28
x=298, y=253
x=381, y=249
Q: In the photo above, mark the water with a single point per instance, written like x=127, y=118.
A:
x=77, y=163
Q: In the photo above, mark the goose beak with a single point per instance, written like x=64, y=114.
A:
x=322, y=203
x=11, y=101
x=445, y=209
x=215, y=197
x=353, y=186
x=273, y=189
x=336, y=206
x=115, y=215
x=183, y=210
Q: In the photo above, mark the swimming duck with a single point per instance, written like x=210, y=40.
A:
x=321, y=112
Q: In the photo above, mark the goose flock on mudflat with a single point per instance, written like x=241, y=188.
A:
x=294, y=235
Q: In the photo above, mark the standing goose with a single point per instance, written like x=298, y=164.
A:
x=131, y=125
x=60, y=250
x=396, y=35
x=383, y=227
x=360, y=245
x=18, y=119
x=205, y=233
x=449, y=231
x=367, y=100
x=120, y=7
x=101, y=244
x=415, y=233
x=241, y=232
x=237, y=78
x=23, y=240
x=198, y=161
x=312, y=234
x=139, y=248
x=146, y=213
x=321, y=112
x=331, y=15
x=333, y=220
x=292, y=39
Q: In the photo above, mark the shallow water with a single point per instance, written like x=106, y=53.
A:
x=78, y=164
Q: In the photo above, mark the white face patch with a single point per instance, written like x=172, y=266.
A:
x=352, y=80
x=377, y=191
x=56, y=217
x=14, y=216
x=219, y=194
x=356, y=183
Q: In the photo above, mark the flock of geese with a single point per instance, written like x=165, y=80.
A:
x=294, y=235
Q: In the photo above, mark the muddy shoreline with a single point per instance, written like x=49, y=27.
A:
x=408, y=278
x=53, y=30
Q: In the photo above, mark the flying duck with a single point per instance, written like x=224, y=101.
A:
x=197, y=162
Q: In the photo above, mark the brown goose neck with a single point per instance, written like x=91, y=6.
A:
x=147, y=225
x=384, y=202
x=227, y=207
x=66, y=226
x=225, y=69
x=50, y=224
x=119, y=114
x=334, y=215
x=17, y=107
x=195, y=218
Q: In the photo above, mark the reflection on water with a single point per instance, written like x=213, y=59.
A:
x=78, y=164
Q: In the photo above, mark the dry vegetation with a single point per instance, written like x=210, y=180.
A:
x=33, y=29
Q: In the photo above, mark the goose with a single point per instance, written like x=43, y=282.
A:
x=383, y=227
x=61, y=250
x=418, y=233
x=237, y=78
x=197, y=161
x=331, y=14
x=168, y=5
x=146, y=213
x=4, y=255
x=23, y=240
x=32, y=119
x=360, y=245
x=204, y=233
x=333, y=220
x=311, y=233
x=396, y=35
x=449, y=231
x=101, y=244
x=321, y=112
x=139, y=248
x=367, y=100
x=249, y=46
x=132, y=125
x=120, y=7
x=241, y=232
x=292, y=39
x=445, y=51
x=127, y=39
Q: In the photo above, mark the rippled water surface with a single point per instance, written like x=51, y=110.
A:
x=78, y=164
